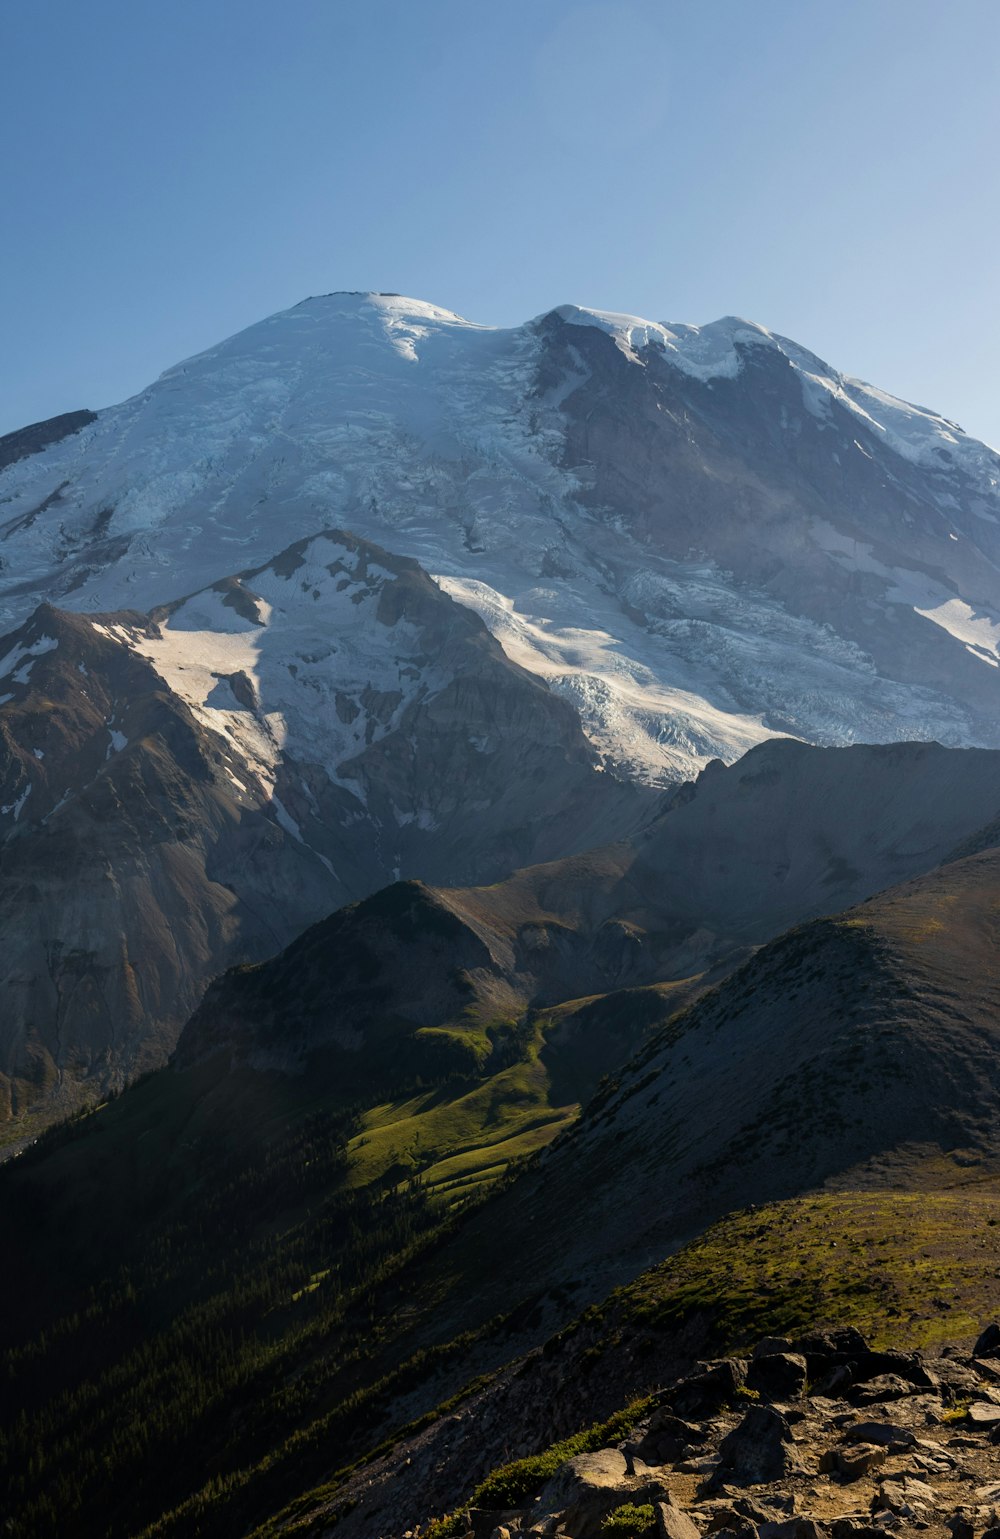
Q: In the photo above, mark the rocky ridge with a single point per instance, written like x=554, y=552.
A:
x=788, y=833
x=821, y=1437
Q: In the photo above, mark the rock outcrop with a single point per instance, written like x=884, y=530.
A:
x=807, y=1466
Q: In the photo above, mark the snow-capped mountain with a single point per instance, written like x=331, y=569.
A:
x=247, y=679
x=702, y=537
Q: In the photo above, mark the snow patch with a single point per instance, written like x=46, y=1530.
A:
x=17, y=807
x=977, y=631
x=285, y=820
x=19, y=653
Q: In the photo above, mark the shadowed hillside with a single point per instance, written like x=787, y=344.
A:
x=318, y=1224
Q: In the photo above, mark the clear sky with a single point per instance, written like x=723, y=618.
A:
x=172, y=172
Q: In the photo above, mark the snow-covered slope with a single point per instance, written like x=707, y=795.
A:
x=701, y=537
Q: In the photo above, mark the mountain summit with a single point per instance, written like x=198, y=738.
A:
x=699, y=536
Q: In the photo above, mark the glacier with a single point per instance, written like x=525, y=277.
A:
x=459, y=445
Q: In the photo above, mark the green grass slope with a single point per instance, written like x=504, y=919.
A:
x=209, y=1270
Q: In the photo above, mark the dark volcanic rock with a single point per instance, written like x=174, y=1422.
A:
x=31, y=440
x=672, y=1523
x=881, y=1387
x=153, y=834
x=988, y=1342
x=759, y=1450
x=883, y=1433
x=667, y=1439
x=777, y=1375
x=703, y=1394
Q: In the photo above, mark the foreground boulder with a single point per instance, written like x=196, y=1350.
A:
x=586, y=1490
x=759, y=1450
x=821, y=1468
x=777, y=1375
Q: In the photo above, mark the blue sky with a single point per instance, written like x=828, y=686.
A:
x=172, y=173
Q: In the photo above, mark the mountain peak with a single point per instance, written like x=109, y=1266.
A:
x=383, y=303
x=683, y=534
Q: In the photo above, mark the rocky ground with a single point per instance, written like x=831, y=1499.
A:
x=820, y=1436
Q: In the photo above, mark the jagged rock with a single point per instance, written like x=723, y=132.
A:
x=988, y=1342
x=728, y=1519
x=793, y=1528
x=836, y=1382
x=777, y=1375
x=852, y=1462
x=724, y=1517
x=823, y=1351
x=703, y=1394
x=983, y=1413
x=760, y=1449
x=884, y=1433
x=760, y=1477
x=768, y=1345
x=761, y=1514
x=488, y=1524
x=672, y=1523
x=931, y=1460
x=667, y=1439
x=948, y=1371
x=908, y=1498
x=987, y=1367
x=843, y=1359
x=868, y=1366
x=587, y=1488
x=706, y=1465
x=887, y=1386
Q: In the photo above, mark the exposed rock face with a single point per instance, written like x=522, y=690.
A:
x=759, y=1450
x=777, y=1375
x=699, y=539
x=585, y=1491
x=129, y=872
x=188, y=790
x=39, y=435
x=765, y=471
